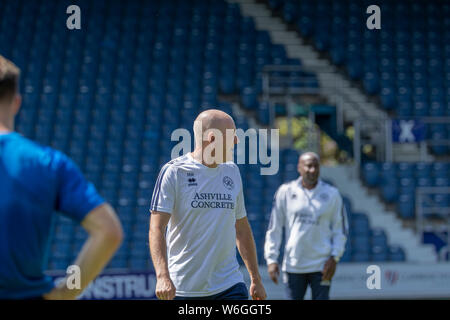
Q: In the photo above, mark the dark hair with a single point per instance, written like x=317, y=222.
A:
x=9, y=79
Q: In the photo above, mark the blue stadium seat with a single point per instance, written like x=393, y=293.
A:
x=389, y=190
x=405, y=170
x=378, y=238
x=406, y=205
x=440, y=169
x=371, y=174
x=379, y=254
x=360, y=225
x=388, y=170
x=422, y=170
x=361, y=243
x=347, y=256
x=396, y=254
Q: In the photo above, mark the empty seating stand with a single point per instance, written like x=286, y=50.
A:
x=398, y=182
x=109, y=94
x=406, y=63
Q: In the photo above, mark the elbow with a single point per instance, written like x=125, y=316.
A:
x=114, y=235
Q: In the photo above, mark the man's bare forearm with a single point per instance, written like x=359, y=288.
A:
x=247, y=249
x=105, y=236
x=97, y=251
x=158, y=251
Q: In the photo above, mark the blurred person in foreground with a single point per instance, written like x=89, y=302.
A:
x=314, y=218
x=36, y=181
x=199, y=198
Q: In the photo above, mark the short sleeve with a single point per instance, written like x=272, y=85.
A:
x=241, y=212
x=163, y=198
x=76, y=197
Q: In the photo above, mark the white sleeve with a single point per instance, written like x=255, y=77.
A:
x=339, y=228
x=241, y=212
x=275, y=229
x=163, y=198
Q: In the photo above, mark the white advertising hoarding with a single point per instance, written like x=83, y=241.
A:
x=351, y=281
x=396, y=281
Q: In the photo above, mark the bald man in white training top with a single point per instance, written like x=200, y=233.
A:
x=199, y=198
x=314, y=218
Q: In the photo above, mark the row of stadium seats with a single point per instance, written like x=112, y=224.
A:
x=406, y=63
x=208, y=47
x=398, y=182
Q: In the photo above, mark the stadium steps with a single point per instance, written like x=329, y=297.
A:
x=344, y=178
x=352, y=103
x=296, y=48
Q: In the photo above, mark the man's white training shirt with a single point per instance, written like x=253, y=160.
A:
x=315, y=226
x=204, y=204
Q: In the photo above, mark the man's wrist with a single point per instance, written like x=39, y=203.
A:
x=270, y=261
x=163, y=275
x=335, y=258
x=256, y=278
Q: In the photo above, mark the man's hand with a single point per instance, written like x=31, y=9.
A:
x=165, y=290
x=257, y=291
x=329, y=269
x=55, y=294
x=274, y=272
x=61, y=292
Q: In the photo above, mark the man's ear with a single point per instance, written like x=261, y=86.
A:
x=16, y=103
x=211, y=137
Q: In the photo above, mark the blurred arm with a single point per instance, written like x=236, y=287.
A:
x=275, y=230
x=339, y=229
x=105, y=236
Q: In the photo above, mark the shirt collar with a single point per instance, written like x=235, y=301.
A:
x=206, y=169
x=299, y=181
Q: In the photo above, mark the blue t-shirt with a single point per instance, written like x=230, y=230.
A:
x=35, y=181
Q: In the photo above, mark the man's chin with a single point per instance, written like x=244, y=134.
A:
x=311, y=182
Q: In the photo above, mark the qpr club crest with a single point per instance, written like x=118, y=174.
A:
x=228, y=183
x=324, y=197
